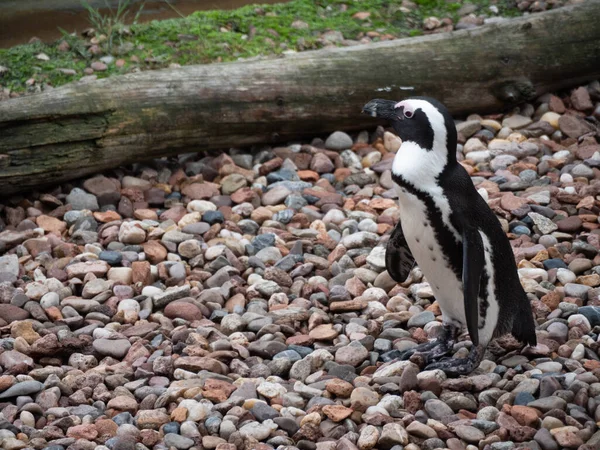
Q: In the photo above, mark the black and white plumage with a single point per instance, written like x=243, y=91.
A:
x=448, y=229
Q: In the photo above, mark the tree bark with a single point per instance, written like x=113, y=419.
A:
x=80, y=129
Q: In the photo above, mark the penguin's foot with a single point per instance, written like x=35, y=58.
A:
x=427, y=352
x=440, y=349
x=460, y=366
x=399, y=355
x=424, y=353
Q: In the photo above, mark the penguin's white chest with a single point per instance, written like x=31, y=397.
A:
x=428, y=254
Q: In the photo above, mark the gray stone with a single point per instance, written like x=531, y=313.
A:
x=258, y=431
x=468, y=128
x=437, y=409
x=516, y=121
x=267, y=288
x=261, y=411
x=177, y=271
x=232, y=183
x=558, y=331
x=266, y=349
x=196, y=228
x=581, y=170
x=469, y=434
x=549, y=366
x=421, y=319
x=545, y=439
x=161, y=300
x=360, y=239
x=592, y=313
x=231, y=323
x=117, y=348
x=85, y=410
x=376, y=259
x=269, y=255
x=382, y=345
x=548, y=403
x=576, y=290
x=353, y=354
x=287, y=424
x=9, y=267
x=12, y=358
x=177, y=441
x=176, y=236
x=24, y=388
x=79, y=199
x=338, y=140
x=190, y=248
x=275, y=196
x=408, y=379
x=301, y=370
x=545, y=225
x=393, y=434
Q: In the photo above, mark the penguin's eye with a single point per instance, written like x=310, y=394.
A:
x=408, y=113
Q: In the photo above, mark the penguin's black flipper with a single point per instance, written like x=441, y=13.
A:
x=473, y=263
x=399, y=260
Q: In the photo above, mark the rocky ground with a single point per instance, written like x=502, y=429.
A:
x=240, y=300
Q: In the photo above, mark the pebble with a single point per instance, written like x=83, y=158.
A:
x=81, y=200
x=469, y=434
x=549, y=366
x=421, y=319
x=177, y=441
x=21, y=389
x=353, y=354
x=338, y=141
x=116, y=348
x=437, y=409
x=9, y=267
x=544, y=225
x=258, y=431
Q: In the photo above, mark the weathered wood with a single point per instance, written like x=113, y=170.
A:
x=80, y=129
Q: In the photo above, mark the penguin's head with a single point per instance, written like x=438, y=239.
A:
x=428, y=136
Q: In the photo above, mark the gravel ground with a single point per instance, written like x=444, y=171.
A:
x=240, y=300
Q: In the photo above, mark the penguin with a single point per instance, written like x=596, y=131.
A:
x=450, y=232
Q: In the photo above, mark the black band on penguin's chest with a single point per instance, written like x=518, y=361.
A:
x=450, y=247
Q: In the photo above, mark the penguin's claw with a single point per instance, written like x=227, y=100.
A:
x=427, y=352
x=453, y=366
x=392, y=355
x=397, y=355
x=459, y=366
x=436, y=353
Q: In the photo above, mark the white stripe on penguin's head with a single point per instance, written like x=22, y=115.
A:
x=424, y=152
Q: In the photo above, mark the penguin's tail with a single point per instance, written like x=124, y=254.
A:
x=523, y=324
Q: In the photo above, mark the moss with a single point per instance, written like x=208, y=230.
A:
x=212, y=36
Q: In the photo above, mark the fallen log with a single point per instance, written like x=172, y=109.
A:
x=80, y=129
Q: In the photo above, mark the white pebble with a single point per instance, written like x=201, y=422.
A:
x=214, y=252
x=578, y=352
x=151, y=291
x=101, y=333
x=201, y=206
x=565, y=276
x=27, y=419
x=49, y=300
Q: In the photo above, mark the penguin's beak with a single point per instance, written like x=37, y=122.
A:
x=379, y=108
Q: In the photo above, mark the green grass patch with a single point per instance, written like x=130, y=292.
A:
x=215, y=36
